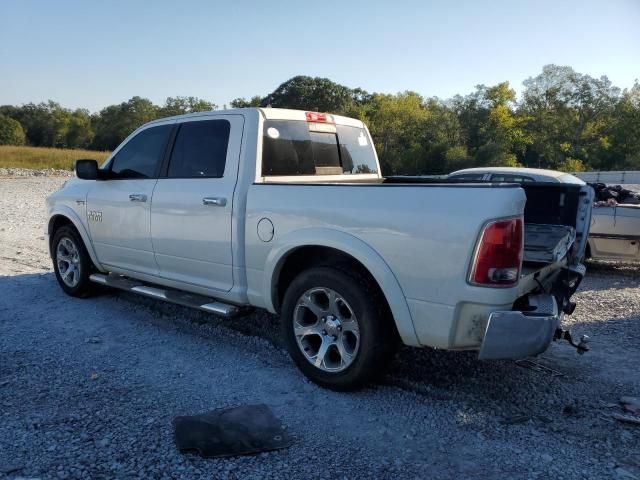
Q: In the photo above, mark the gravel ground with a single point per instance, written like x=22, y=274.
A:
x=88, y=388
x=26, y=172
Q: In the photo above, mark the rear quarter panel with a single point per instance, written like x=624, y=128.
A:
x=424, y=235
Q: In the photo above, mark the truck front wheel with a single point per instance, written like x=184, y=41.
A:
x=334, y=326
x=71, y=262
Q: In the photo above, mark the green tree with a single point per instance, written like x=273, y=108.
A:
x=472, y=112
x=37, y=122
x=493, y=132
x=567, y=114
x=623, y=132
x=11, y=132
x=51, y=125
x=311, y=93
x=442, y=140
x=502, y=126
x=115, y=122
x=396, y=124
x=457, y=158
x=181, y=105
x=59, y=123
x=571, y=165
x=79, y=132
x=564, y=120
x=494, y=155
x=244, y=103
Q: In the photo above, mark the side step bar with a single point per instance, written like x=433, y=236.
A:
x=185, y=299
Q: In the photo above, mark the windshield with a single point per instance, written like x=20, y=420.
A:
x=292, y=147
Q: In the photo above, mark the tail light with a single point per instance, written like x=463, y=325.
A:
x=320, y=122
x=498, y=258
x=318, y=117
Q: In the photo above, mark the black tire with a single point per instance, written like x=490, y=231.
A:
x=83, y=268
x=377, y=338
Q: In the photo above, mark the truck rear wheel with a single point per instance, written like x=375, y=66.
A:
x=71, y=262
x=334, y=326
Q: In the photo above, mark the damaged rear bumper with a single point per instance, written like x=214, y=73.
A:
x=518, y=334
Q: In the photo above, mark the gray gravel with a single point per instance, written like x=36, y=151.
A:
x=26, y=172
x=88, y=388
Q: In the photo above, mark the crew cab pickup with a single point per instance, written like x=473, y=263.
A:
x=287, y=211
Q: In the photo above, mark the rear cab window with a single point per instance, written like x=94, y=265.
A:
x=303, y=148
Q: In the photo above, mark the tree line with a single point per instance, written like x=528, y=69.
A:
x=563, y=120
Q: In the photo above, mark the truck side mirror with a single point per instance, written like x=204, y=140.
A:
x=87, y=169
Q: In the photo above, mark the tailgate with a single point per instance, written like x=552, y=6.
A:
x=557, y=217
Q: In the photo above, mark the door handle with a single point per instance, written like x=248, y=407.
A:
x=138, y=197
x=214, y=201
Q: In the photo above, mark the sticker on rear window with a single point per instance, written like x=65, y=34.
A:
x=273, y=132
x=362, y=140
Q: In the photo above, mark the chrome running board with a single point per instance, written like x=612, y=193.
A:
x=185, y=299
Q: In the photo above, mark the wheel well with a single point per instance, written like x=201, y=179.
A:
x=58, y=221
x=307, y=257
x=55, y=223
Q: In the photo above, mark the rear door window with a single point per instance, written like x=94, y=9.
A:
x=200, y=150
x=140, y=156
x=300, y=148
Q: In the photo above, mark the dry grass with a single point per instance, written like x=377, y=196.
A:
x=39, y=158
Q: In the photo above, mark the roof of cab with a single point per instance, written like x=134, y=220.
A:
x=267, y=113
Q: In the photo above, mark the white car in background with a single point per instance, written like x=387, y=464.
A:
x=615, y=229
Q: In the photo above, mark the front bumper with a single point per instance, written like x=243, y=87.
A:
x=519, y=334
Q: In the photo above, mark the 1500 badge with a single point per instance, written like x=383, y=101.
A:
x=94, y=216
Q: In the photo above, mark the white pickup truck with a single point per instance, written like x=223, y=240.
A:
x=287, y=210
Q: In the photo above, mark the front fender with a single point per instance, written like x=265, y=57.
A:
x=65, y=211
x=358, y=249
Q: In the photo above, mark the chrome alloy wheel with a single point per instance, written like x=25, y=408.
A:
x=68, y=261
x=326, y=329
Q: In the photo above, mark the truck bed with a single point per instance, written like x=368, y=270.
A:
x=553, y=222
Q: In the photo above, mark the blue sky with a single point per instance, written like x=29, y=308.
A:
x=92, y=54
